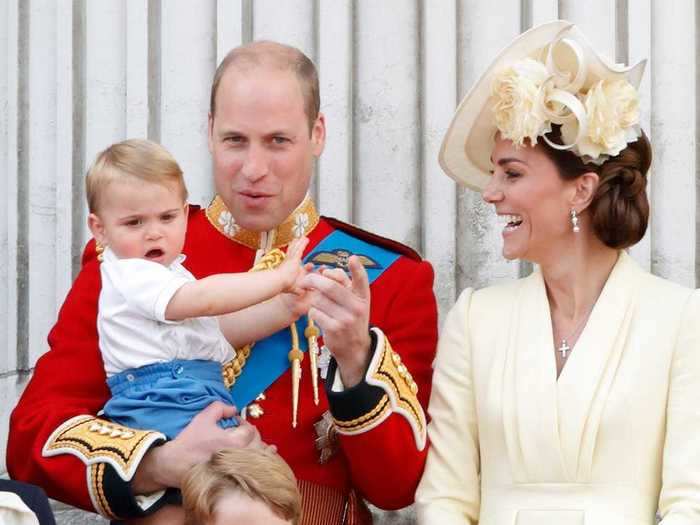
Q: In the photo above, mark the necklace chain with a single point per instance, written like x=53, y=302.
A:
x=564, y=347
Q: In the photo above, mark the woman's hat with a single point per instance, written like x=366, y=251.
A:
x=547, y=75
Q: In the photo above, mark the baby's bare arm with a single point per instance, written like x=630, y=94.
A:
x=224, y=293
x=256, y=322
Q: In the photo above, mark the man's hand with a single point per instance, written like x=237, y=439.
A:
x=340, y=306
x=166, y=465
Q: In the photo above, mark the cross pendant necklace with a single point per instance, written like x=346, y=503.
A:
x=563, y=348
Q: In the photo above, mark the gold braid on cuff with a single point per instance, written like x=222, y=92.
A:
x=388, y=372
x=94, y=440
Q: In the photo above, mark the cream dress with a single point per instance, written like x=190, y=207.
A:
x=615, y=438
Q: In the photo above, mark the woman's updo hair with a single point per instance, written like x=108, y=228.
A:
x=620, y=207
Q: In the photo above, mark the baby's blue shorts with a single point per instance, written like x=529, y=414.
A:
x=166, y=396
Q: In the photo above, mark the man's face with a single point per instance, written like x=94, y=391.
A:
x=262, y=148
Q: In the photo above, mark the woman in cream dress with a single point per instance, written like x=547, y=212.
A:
x=572, y=396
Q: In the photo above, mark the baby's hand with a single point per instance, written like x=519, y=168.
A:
x=297, y=300
x=296, y=248
x=291, y=268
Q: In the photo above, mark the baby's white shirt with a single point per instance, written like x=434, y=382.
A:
x=131, y=324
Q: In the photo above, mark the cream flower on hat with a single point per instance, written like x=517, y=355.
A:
x=517, y=101
x=612, y=108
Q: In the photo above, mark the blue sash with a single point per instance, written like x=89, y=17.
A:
x=268, y=358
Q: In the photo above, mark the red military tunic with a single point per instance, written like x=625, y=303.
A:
x=86, y=462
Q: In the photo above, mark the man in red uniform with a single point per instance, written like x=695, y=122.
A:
x=364, y=437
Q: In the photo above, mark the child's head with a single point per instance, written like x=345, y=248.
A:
x=137, y=200
x=248, y=486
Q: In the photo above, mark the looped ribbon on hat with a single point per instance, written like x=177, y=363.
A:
x=557, y=94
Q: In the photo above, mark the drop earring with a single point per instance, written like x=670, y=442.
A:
x=574, y=221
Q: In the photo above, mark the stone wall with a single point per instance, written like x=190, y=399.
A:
x=79, y=75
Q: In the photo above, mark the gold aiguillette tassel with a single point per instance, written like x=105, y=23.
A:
x=311, y=333
x=295, y=356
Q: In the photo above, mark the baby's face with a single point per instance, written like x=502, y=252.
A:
x=142, y=220
x=235, y=508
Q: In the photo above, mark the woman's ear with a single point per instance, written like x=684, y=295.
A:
x=585, y=188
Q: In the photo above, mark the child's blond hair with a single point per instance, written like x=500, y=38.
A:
x=259, y=474
x=137, y=158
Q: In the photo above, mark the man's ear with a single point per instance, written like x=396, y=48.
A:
x=318, y=135
x=97, y=228
x=210, y=132
x=585, y=188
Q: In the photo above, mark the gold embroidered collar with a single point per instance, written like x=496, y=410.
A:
x=302, y=220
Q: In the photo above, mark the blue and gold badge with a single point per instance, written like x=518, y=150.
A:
x=339, y=257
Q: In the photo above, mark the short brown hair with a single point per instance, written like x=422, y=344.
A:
x=260, y=474
x=279, y=56
x=620, y=207
x=138, y=158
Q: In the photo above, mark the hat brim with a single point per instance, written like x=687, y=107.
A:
x=465, y=155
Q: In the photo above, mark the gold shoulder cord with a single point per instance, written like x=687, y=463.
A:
x=233, y=368
x=99, y=249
